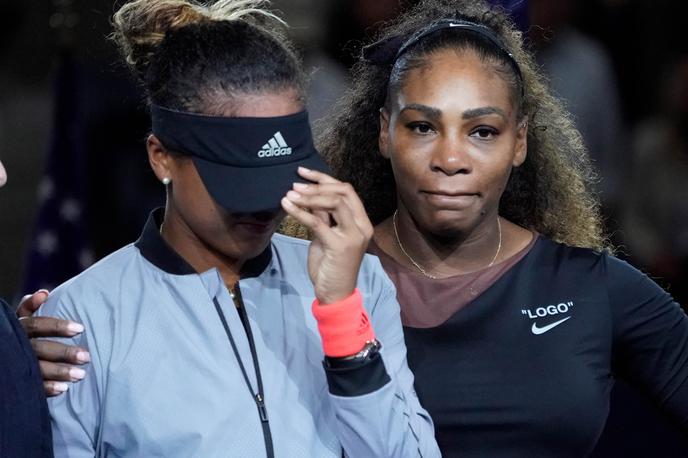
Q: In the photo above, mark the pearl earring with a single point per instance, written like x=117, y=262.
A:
x=166, y=181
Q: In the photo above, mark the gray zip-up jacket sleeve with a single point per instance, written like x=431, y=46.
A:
x=376, y=418
x=165, y=381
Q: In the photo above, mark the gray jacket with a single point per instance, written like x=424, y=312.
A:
x=165, y=377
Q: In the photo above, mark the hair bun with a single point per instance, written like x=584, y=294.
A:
x=141, y=25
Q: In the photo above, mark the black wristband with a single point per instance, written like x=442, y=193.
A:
x=359, y=359
x=359, y=380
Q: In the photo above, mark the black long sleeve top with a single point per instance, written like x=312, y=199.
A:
x=526, y=368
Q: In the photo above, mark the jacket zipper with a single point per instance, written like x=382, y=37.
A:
x=258, y=396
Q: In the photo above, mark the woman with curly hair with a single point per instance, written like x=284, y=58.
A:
x=517, y=316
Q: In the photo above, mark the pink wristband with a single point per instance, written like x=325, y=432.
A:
x=344, y=326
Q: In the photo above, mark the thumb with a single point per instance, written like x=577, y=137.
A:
x=32, y=302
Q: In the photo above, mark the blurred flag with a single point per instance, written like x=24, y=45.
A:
x=60, y=247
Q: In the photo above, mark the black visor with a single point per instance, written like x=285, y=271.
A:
x=246, y=164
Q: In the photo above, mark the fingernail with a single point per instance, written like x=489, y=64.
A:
x=300, y=186
x=76, y=373
x=60, y=387
x=42, y=290
x=303, y=169
x=83, y=356
x=293, y=195
x=286, y=202
x=75, y=327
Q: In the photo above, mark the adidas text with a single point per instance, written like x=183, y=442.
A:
x=276, y=146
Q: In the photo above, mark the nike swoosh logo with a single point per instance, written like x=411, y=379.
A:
x=544, y=329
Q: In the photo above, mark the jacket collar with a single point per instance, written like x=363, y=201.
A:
x=159, y=253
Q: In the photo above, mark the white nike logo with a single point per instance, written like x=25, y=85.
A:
x=544, y=329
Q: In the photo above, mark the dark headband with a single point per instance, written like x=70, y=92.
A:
x=389, y=50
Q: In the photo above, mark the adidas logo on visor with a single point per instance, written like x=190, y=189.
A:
x=276, y=146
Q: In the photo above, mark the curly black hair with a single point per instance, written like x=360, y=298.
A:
x=550, y=193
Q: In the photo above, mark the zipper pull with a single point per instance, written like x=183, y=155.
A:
x=261, y=408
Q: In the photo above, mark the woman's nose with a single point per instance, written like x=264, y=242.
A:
x=451, y=158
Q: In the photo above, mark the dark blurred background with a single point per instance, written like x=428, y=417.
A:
x=72, y=126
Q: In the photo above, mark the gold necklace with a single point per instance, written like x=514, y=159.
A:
x=418, y=266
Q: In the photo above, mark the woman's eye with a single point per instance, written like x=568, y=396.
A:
x=484, y=133
x=420, y=128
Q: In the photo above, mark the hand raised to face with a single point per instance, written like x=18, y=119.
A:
x=335, y=215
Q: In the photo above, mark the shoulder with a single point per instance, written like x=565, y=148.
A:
x=548, y=254
x=92, y=286
x=620, y=270
x=631, y=288
x=624, y=283
x=551, y=254
x=102, y=274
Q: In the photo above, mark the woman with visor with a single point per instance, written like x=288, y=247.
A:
x=517, y=318
x=206, y=336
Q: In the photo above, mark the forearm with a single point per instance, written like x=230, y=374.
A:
x=375, y=417
x=376, y=409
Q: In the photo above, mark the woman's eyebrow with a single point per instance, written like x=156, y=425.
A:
x=484, y=111
x=430, y=112
x=435, y=113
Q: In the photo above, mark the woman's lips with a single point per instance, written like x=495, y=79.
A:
x=452, y=199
